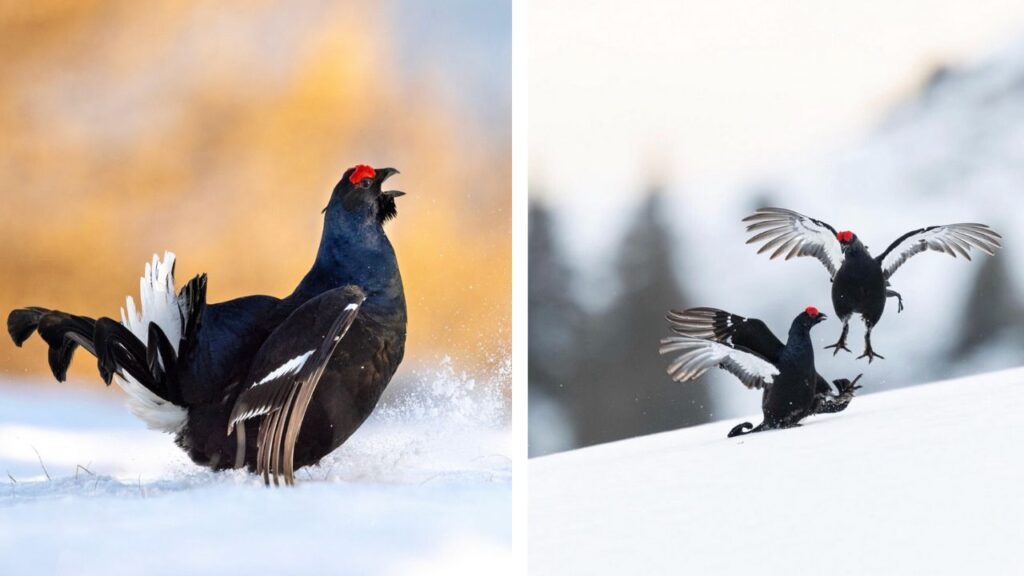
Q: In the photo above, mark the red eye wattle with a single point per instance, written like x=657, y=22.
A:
x=362, y=171
x=812, y=311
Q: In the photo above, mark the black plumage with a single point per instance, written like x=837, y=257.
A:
x=265, y=383
x=793, y=390
x=860, y=282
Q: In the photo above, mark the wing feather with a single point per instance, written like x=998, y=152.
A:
x=792, y=234
x=727, y=328
x=282, y=396
x=952, y=239
x=697, y=355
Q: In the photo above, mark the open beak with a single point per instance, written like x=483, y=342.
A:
x=384, y=174
x=821, y=318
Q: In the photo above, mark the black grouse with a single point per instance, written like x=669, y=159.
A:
x=266, y=383
x=860, y=282
x=746, y=348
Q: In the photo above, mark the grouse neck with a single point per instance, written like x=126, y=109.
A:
x=798, y=332
x=857, y=251
x=799, y=347
x=355, y=250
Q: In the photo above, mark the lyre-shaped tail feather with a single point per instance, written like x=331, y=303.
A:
x=22, y=323
x=63, y=333
x=140, y=353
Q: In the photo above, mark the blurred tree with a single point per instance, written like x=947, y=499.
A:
x=993, y=306
x=622, y=389
x=554, y=332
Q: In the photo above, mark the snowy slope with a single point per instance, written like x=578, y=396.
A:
x=423, y=487
x=923, y=480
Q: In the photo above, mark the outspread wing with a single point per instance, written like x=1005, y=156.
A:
x=791, y=234
x=293, y=360
x=732, y=329
x=697, y=355
x=952, y=239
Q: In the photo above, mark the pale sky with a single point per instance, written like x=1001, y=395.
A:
x=727, y=89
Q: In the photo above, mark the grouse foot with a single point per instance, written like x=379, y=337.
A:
x=889, y=293
x=870, y=354
x=840, y=345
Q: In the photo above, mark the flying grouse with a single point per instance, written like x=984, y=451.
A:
x=860, y=282
x=746, y=348
x=266, y=383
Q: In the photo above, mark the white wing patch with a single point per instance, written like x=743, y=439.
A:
x=697, y=356
x=159, y=305
x=952, y=239
x=290, y=367
x=792, y=234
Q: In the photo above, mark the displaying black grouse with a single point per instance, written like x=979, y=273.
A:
x=270, y=384
x=746, y=348
x=860, y=282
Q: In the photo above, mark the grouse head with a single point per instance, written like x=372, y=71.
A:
x=810, y=317
x=846, y=239
x=360, y=193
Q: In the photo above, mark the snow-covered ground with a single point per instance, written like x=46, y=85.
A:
x=922, y=480
x=424, y=487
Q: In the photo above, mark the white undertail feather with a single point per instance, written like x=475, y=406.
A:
x=159, y=305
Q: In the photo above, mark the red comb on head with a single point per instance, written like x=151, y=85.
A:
x=844, y=236
x=812, y=311
x=361, y=171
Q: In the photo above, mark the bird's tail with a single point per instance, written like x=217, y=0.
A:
x=64, y=333
x=744, y=429
x=139, y=353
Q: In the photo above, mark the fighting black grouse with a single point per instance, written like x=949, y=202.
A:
x=746, y=348
x=265, y=383
x=860, y=282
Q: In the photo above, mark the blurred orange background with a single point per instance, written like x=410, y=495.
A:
x=218, y=129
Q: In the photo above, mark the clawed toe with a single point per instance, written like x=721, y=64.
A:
x=870, y=355
x=837, y=347
x=845, y=388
